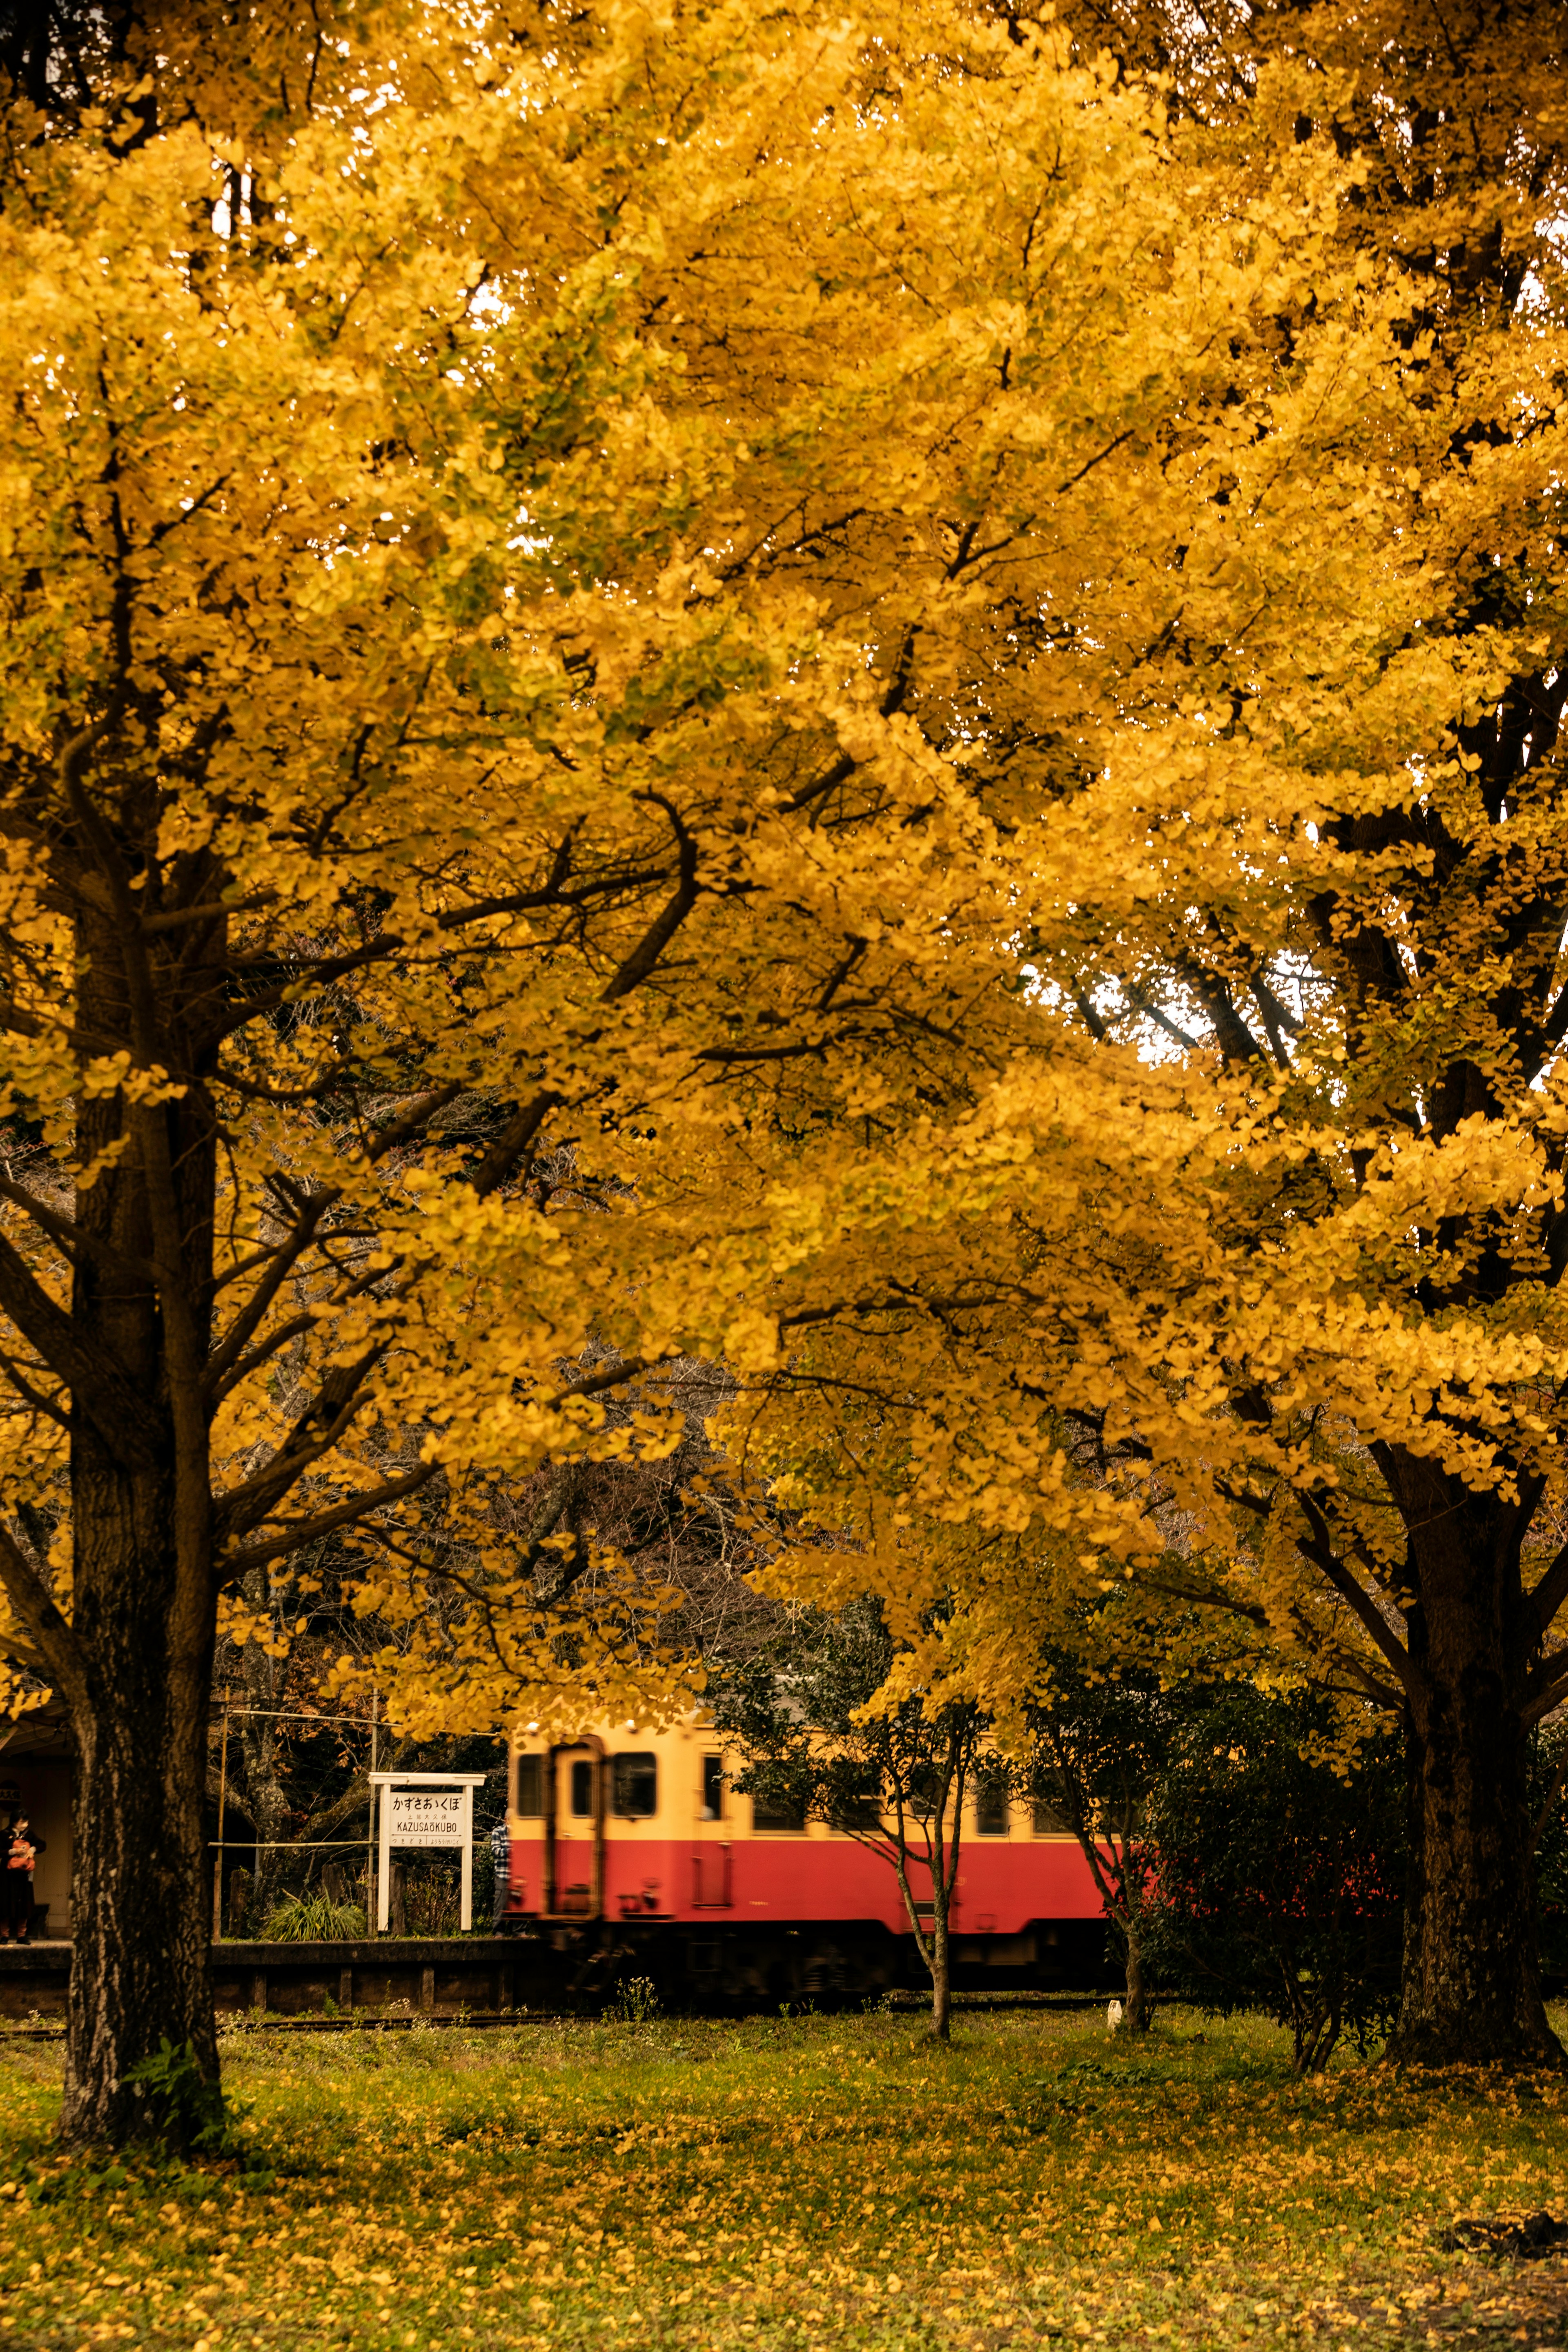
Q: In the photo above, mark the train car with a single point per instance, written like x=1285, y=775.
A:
x=631, y=1852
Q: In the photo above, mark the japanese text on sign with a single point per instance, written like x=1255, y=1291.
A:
x=424, y=1816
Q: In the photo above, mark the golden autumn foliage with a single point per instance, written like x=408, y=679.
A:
x=550, y=573
x=514, y=576
x=1245, y=1289
x=672, y=683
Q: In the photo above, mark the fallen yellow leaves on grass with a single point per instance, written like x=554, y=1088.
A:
x=703, y=2186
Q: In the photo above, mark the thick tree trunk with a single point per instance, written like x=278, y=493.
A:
x=139, y=1974
x=143, y=1612
x=1471, y=1992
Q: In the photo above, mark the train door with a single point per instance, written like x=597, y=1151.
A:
x=575, y=1830
x=712, y=1889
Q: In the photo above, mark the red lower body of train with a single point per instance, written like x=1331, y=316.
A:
x=759, y=1921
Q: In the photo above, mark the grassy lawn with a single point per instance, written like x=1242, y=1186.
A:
x=794, y=2183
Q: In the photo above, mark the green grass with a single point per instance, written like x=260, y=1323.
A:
x=786, y=2185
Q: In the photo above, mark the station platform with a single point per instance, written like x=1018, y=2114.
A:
x=439, y=1976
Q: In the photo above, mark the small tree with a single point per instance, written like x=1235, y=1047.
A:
x=828, y=1736
x=1281, y=1869
x=1098, y=1748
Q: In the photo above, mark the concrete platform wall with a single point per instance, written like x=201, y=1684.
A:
x=439, y=1976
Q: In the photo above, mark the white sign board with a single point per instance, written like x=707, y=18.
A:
x=427, y=1816
x=423, y=1810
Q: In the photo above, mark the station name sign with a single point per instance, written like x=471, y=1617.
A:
x=425, y=1808
x=419, y=1817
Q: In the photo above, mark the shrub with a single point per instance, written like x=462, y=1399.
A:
x=1278, y=1877
x=314, y=1919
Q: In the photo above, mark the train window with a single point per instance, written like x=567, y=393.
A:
x=990, y=1809
x=583, y=1790
x=777, y=1813
x=636, y=1786
x=1047, y=1822
x=712, y=1787
x=529, y=1786
x=858, y=1804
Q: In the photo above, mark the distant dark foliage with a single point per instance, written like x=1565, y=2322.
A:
x=1548, y=1814
x=1279, y=1883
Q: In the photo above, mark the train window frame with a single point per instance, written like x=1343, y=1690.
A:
x=634, y=1768
x=580, y=1789
x=860, y=1808
x=992, y=1811
x=788, y=1821
x=1045, y=1821
x=711, y=1801
x=528, y=1787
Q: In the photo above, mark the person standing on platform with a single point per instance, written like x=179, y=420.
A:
x=16, y=1892
x=7, y=1883
x=501, y=1851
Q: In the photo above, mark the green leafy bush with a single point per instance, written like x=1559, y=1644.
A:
x=314, y=1919
x=1278, y=1879
x=185, y=2106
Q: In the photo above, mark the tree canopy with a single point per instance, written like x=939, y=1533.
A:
x=509, y=806
x=850, y=692
x=556, y=574
x=1248, y=1289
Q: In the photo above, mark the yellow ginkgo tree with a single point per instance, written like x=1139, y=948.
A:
x=1247, y=1289
x=555, y=567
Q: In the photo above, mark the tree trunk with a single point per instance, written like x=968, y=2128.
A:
x=144, y=1604
x=940, y=1986
x=1139, y=2004
x=140, y=1900
x=1471, y=1990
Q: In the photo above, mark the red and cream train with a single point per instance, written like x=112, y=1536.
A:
x=631, y=1850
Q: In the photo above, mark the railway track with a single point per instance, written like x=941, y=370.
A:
x=243, y=2025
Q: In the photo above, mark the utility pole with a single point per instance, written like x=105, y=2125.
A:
x=370, y=1831
x=222, y=1813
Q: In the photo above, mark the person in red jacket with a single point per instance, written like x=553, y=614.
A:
x=21, y=1853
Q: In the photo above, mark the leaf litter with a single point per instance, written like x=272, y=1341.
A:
x=801, y=2185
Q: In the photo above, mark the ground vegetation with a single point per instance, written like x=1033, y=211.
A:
x=1278, y=1868
x=793, y=2184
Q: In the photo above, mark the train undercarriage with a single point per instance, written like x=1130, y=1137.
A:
x=736, y=1969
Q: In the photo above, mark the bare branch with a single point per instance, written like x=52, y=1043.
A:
x=418, y=1113
x=250, y=1316
x=41, y=1619
x=72, y=1237
x=238, y=1564
x=662, y=930
x=512, y=1142
x=1552, y=1591
x=1321, y=1552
